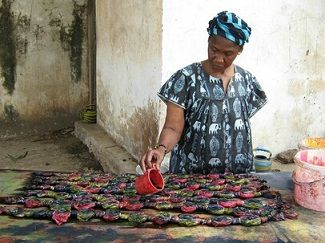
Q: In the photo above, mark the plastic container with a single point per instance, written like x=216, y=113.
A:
x=150, y=182
x=309, y=179
x=312, y=143
x=262, y=160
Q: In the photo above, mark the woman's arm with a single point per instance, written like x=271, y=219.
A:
x=169, y=137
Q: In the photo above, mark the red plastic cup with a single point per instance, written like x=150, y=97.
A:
x=150, y=182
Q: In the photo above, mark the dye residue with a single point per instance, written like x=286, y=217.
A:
x=8, y=59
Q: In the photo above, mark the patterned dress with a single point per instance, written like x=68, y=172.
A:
x=217, y=133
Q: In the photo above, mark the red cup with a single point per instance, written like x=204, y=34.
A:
x=150, y=182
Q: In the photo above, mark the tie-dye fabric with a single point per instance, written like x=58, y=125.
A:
x=230, y=26
x=217, y=132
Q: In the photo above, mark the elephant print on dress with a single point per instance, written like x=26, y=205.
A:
x=203, y=91
x=247, y=76
x=192, y=81
x=168, y=86
x=188, y=71
x=214, y=113
x=202, y=143
x=193, y=160
x=203, y=87
x=226, y=127
x=215, y=162
x=188, y=134
x=218, y=93
x=238, y=77
x=214, y=80
x=239, y=142
x=214, y=127
x=231, y=91
x=239, y=124
x=195, y=142
x=179, y=85
x=237, y=108
x=225, y=106
x=175, y=99
x=197, y=126
x=228, y=142
x=214, y=146
x=240, y=163
x=195, y=104
x=241, y=90
x=183, y=161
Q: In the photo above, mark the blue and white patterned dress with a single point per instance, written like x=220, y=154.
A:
x=217, y=133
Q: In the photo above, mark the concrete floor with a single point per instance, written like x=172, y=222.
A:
x=56, y=151
x=65, y=151
x=112, y=157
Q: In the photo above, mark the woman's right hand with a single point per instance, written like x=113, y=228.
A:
x=152, y=158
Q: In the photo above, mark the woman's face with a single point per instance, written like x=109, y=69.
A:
x=221, y=52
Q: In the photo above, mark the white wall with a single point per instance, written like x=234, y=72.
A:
x=286, y=52
x=129, y=66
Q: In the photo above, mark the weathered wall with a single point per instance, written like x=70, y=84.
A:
x=286, y=52
x=43, y=70
x=129, y=65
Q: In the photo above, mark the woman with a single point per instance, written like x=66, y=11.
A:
x=209, y=104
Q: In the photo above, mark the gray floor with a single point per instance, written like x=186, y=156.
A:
x=56, y=151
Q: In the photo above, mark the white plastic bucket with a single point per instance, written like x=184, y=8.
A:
x=309, y=179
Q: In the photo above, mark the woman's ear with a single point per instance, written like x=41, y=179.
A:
x=240, y=49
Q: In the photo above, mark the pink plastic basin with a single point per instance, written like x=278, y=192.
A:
x=309, y=179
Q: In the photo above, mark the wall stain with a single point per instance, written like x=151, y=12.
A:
x=22, y=27
x=14, y=42
x=300, y=88
x=72, y=37
x=8, y=58
x=10, y=114
x=141, y=129
x=38, y=32
x=55, y=21
x=316, y=86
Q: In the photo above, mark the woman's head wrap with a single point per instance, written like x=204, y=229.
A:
x=229, y=26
